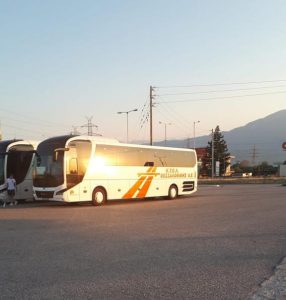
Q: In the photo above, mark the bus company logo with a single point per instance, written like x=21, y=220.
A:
x=142, y=184
x=174, y=173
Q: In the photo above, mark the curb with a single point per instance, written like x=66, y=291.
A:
x=273, y=288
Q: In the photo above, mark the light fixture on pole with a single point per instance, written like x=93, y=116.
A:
x=165, y=124
x=194, y=140
x=127, y=113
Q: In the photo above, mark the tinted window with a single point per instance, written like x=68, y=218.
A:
x=19, y=159
x=49, y=171
x=2, y=163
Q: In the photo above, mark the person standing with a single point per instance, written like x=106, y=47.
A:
x=11, y=190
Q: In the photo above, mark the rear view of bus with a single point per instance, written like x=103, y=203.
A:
x=96, y=169
x=16, y=158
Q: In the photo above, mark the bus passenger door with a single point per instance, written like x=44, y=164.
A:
x=72, y=177
x=78, y=159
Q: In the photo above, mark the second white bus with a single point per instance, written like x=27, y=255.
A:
x=86, y=168
x=16, y=158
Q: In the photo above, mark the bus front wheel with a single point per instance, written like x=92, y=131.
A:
x=98, y=196
x=173, y=192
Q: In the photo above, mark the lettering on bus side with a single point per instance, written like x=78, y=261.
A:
x=174, y=173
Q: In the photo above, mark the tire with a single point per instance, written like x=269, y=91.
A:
x=173, y=192
x=99, y=196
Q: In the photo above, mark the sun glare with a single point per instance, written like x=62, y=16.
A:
x=99, y=162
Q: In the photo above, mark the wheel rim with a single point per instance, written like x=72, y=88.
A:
x=173, y=192
x=99, y=197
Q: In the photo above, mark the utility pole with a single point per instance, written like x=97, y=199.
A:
x=89, y=126
x=151, y=114
x=212, y=153
x=165, y=124
x=127, y=113
x=0, y=132
x=188, y=143
x=195, y=133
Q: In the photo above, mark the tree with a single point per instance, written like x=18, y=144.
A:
x=264, y=169
x=221, y=154
x=242, y=167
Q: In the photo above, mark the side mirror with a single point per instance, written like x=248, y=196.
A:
x=56, y=152
x=38, y=160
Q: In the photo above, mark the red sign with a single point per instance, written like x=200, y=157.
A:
x=284, y=146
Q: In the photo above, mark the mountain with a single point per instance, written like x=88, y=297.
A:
x=257, y=141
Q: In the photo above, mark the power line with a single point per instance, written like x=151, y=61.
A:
x=22, y=129
x=219, y=84
x=143, y=117
x=177, y=122
x=221, y=91
x=32, y=119
x=30, y=122
x=220, y=98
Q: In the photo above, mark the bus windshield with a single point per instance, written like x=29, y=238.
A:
x=2, y=163
x=50, y=164
x=19, y=158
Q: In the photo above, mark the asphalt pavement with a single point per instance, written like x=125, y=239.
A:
x=220, y=243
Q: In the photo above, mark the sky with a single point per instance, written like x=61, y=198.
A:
x=61, y=62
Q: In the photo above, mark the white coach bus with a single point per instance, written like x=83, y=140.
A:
x=16, y=158
x=86, y=168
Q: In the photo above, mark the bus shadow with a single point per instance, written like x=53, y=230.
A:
x=110, y=203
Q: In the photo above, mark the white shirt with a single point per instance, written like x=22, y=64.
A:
x=11, y=184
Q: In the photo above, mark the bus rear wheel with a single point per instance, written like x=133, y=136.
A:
x=173, y=192
x=98, y=196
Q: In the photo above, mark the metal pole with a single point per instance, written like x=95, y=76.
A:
x=151, y=116
x=127, y=112
x=127, y=125
x=195, y=133
x=165, y=124
x=165, y=134
x=212, y=153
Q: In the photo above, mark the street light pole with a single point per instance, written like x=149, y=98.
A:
x=195, y=133
x=127, y=113
x=212, y=153
x=165, y=124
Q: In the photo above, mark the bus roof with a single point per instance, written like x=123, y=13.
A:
x=96, y=139
x=34, y=144
x=107, y=141
x=7, y=144
x=110, y=141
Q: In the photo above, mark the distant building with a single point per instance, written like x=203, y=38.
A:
x=201, y=152
x=282, y=170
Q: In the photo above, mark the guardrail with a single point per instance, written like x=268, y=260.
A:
x=250, y=180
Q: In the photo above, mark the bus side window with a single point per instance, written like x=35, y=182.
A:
x=73, y=169
x=149, y=164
